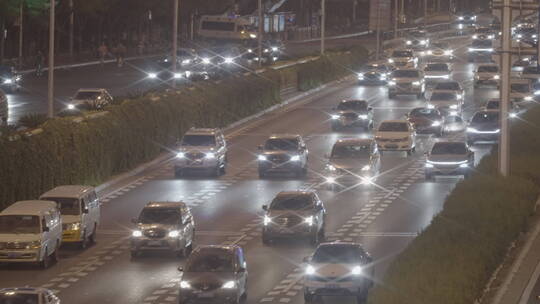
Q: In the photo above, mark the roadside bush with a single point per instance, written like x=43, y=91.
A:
x=32, y=121
x=133, y=131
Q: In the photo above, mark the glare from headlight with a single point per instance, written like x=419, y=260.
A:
x=274, y=49
x=363, y=116
x=436, y=124
x=360, y=77
x=528, y=98
x=136, y=233
x=206, y=60
x=331, y=168
x=180, y=155
x=357, y=270
x=366, y=168
x=71, y=107
x=295, y=158
x=448, y=52
x=334, y=116
x=186, y=61
x=423, y=42
x=409, y=42
x=229, y=285
x=309, y=220
x=454, y=107
x=177, y=75
x=430, y=106
x=416, y=83
x=330, y=180
x=185, y=285
x=174, y=233
x=8, y=81
x=513, y=115
x=475, y=37
x=310, y=270
x=472, y=130
x=496, y=77
x=152, y=75
x=267, y=220
x=391, y=82
x=390, y=60
x=253, y=36
x=261, y=157
x=460, y=18
x=464, y=166
x=229, y=60
x=429, y=166
x=210, y=155
x=459, y=96
x=430, y=52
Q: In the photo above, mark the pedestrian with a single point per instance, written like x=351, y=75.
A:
x=120, y=54
x=102, y=52
x=40, y=61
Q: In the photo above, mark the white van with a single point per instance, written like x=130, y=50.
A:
x=80, y=209
x=30, y=231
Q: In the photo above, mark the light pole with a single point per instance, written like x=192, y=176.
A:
x=175, y=42
x=260, y=33
x=425, y=14
x=396, y=18
x=378, y=49
x=50, y=84
x=21, y=33
x=504, y=141
x=323, y=24
x=71, y=26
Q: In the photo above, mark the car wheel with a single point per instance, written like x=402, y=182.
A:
x=262, y=174
x=308, y=298
x=46, y=262
x=265, y=239
x=84, y=241
x=314, y=239
x=362, y=297
x=135, y=254
x=178, y=173
x=390, y=95
x=92, y=237
x=429, y=176
x=217, y=171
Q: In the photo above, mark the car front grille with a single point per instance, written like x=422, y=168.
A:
x=351, y=116
x=195, y=155
x=206, y=286
x=279, y=158
x=288, y=221
x=155, y=233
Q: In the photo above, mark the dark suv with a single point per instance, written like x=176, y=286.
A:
x=283, y=154
x=215, y=274
x=294, y=213
x=352, y=113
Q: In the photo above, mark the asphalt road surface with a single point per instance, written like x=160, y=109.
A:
x=384, y=217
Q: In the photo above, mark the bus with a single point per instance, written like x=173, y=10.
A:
x=226, y=28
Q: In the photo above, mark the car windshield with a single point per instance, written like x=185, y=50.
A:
x=86, y=95
x=520, y=87
x=482, y=44
x=68, y=206
x=19, y=224
x=210, y=261
x=440, y=45
x=488, y=69
x=402, y=54
x=483, y=30
x=451, y=86
x=492, y=105
x=448, y=148
x=357, y=105
x=337, y=254
x=406, y=74
x=437, y=67
x=351, y=151
x=376, y=67
x=393, y=127
x=184, y=53
x=168, y=216
x=418, y=34
x=528, y=31
x=485, y=117
x=530, y=70
x=443, y=96
x=424, y=112
x=281, y=144
x=292, y=202
x=19, y=298
x=199, y=140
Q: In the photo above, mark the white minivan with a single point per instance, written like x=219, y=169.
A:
x=80, y=209
x=30, y=231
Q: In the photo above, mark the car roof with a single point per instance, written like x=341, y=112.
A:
x=353, y=100
x=519, y=81
x=283, y=136
x=449, y=142
x=31, y=207
x=358, y=141
x=407, y=69
x=68, y=191
x=202, y=131
x=295, y=192
x=91, y=90
x=394, y=120
x=205, y=248
x=27, y=290
x=165, y=205
x=488, y=64
x=341, y=243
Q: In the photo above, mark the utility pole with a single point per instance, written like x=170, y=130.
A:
x=396, y=18
x=21, y=33
x=425, y=14
x=323, y=24
x=260, y=33
x=506, y=55
x=50, y=84
x=354, y=4
x=538, y=35
x=71, y=28
x=378, y=50
x=175, y=42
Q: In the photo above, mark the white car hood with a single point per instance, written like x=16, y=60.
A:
x=333, y=270
x=392, y=135
x=19, y=237
x=406, y=80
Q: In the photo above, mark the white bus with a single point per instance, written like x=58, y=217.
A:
x=224, y=27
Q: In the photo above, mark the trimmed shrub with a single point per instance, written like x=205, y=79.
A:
x=32, y=121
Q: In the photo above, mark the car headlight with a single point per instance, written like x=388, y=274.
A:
x=174, y=233
x=330, y=179
x=459, y=96
x=436, y=124
x=261, y=157
x=366, y=168
x=309, y=220
x=180, y=155
x=229, y=60
x=136, y=233
x=416, y=83
x=229, y=285
x=331, y=168
x=295, y=158
x=464, y=166
x=430, y=52
x=185, y=285
x=8, y=81
x=423, y=42
x=471, y=130
x=206, y=60
x=310, y=270
x=460, y=26
x=428, y=165
x=210, y=155
x=454, y=107
x=409, y=42
x=528, y=98
x=274, y=49
x=460, y=18
x=71, y=107
x=360, y=77
x=186, y=61
x=334, y=116
x=33, y=245
x=267, y=220
x=513, y=115
x=266, y=50
x=392, y=83
x=249, y=50
x=470, y=50
x=363, y=116
x=496, y=77
x=177, y=75
x=430, y=106
x=519, y=35
x=152, y=75
x=165, y=60
x=357, y=270
x=537, y=92
x=390, y=60
x=252, y=36
x=73, y=226
x=491, y=36
x=448, y=52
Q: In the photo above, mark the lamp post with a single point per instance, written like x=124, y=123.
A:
x=175, y=42
x=260, y=33
x=50, y=84
x=323, y=24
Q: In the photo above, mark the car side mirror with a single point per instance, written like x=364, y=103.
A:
x=85, y=211
x=265, y=207
x=260, y=147
x=46, y=229
x=306, y=259
x=241, y=270
x=180, y=269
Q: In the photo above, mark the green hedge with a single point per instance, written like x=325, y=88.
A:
x=452, y=260
x=133, y=132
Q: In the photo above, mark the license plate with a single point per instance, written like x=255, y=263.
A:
x=332, y=286
x=206, y=295
x=196, y=162
x=154, y=243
